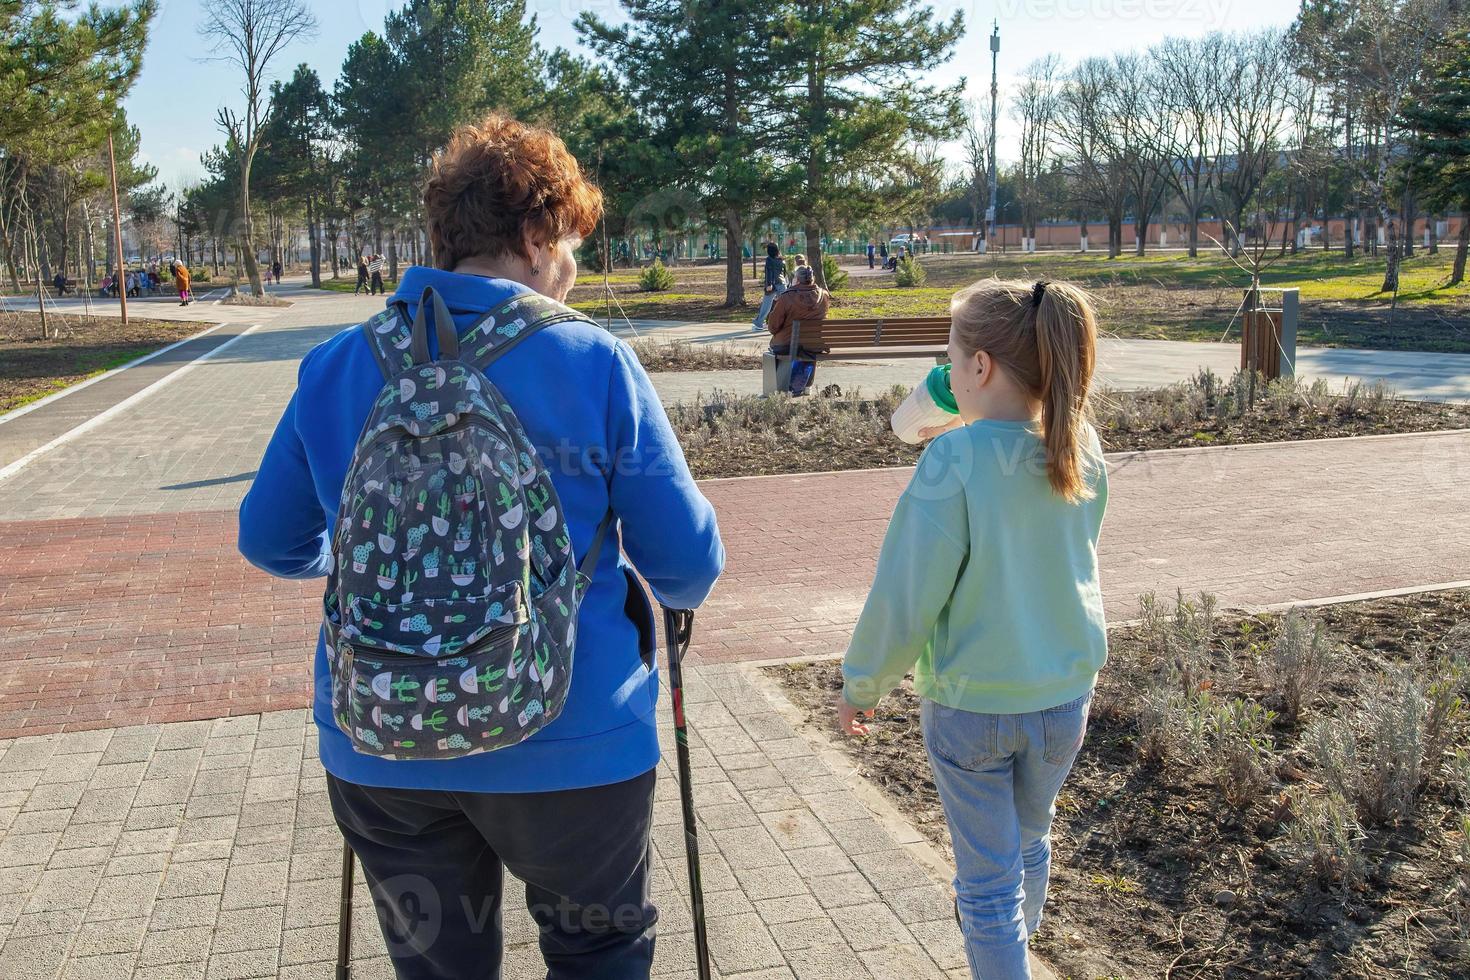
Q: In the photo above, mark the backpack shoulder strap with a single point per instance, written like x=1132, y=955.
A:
x=389, y=335
x=505, y=326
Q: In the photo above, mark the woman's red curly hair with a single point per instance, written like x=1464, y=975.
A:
x=499, y=181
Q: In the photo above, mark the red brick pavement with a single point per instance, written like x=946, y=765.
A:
x=114, y=621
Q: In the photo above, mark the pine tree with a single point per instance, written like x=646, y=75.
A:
x=292, y=149
x=704, y=77
x=1439, y=149
x=842, y=127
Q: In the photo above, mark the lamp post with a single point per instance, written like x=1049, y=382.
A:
x=994, y=94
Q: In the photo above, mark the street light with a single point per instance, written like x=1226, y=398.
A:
x=994, y=93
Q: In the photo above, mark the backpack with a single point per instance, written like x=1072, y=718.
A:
x=451, y=609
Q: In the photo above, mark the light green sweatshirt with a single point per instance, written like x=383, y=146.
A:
x=987, y=579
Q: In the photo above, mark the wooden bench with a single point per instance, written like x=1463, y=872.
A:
x=865, y=338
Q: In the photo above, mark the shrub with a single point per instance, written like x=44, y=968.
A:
x=1380, y=773
x=1445, y=712
x=835, y=275
x=1180, y=639
x=198, y=275
x=1172, y=724
x=1326, y=838
x=655, y=278
x=1299, y=661
x=909, y=273
x=1240, y=749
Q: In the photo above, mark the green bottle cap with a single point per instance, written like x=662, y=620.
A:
x=939, y=390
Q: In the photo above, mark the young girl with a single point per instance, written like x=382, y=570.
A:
x=987, y=587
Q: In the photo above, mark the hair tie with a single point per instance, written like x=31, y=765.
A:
x=1037, y=291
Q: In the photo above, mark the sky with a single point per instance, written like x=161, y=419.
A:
x=179, y=91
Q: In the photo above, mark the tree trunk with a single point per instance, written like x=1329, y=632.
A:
x=734, y=273
x=1391, y=271
x=1407, y=206
x=1457, y=273
x=247, y=229
x=1431, y=225
x=1194, y=233
x=314, y=232
x=813, y=234
x=392, y=256
x=1347, y=237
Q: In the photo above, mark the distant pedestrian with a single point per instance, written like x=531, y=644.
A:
x=181, y=281
x=375, y=269
x=773, y=283
x=872, y=254
x=362, y=274
x=59, y=282
x=276, y=270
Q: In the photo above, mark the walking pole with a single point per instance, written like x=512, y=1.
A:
x=679, y=626
x=344, y=924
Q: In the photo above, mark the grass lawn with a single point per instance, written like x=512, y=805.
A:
x=347, y=283
x=1215, y=825
x=1165, y=296
x=31, y=368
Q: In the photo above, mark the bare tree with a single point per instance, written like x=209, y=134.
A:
x=1253, y=68
x=1191, y=95
x=1089, y=138
x=1035, y=107
x=1144, y=136
x=975, y=142
x=249, y=34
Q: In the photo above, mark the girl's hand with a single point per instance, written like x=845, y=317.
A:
x=849, y=719
x=930, y=431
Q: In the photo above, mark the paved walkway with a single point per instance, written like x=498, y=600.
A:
x=1123, y=364
x=161, y=809
x=206, y=849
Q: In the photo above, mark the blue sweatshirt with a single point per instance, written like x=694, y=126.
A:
x=583, y=398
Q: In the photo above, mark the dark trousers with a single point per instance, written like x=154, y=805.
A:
x=377, y=286
x=434, y=862
x=362, y=281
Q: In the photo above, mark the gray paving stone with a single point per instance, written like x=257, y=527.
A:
x=942, y=940
x=741, y=943
x=112, y=966
x=870, y=926
x=113, y=936
x=175, y=946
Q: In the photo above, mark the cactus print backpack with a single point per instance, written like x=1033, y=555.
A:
x=451, y=611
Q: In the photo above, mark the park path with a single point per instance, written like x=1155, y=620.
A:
x=162, y=811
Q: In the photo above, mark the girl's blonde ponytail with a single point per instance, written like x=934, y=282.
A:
x=1045, y=335
x=1066, y=335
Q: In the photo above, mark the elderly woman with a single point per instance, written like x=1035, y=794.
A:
x=569, y=809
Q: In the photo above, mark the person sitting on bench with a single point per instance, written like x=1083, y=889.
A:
x=806, y=302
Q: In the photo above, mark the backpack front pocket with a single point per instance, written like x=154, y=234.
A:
x=494, y=692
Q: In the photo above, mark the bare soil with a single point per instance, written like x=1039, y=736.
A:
x=80, y=346
x=1155, y=875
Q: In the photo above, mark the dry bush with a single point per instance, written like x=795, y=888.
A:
x=1445, y=711
x=1299, y=661
x=1240, y=749
x=1180, y=638
x=1379, y=772
x=681, y=355
x=1171, y=724
x=1326, y=838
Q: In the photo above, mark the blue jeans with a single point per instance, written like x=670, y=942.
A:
x=766, y=302
x=998, y=778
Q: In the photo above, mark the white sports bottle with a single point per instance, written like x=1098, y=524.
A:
x=928, y=405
